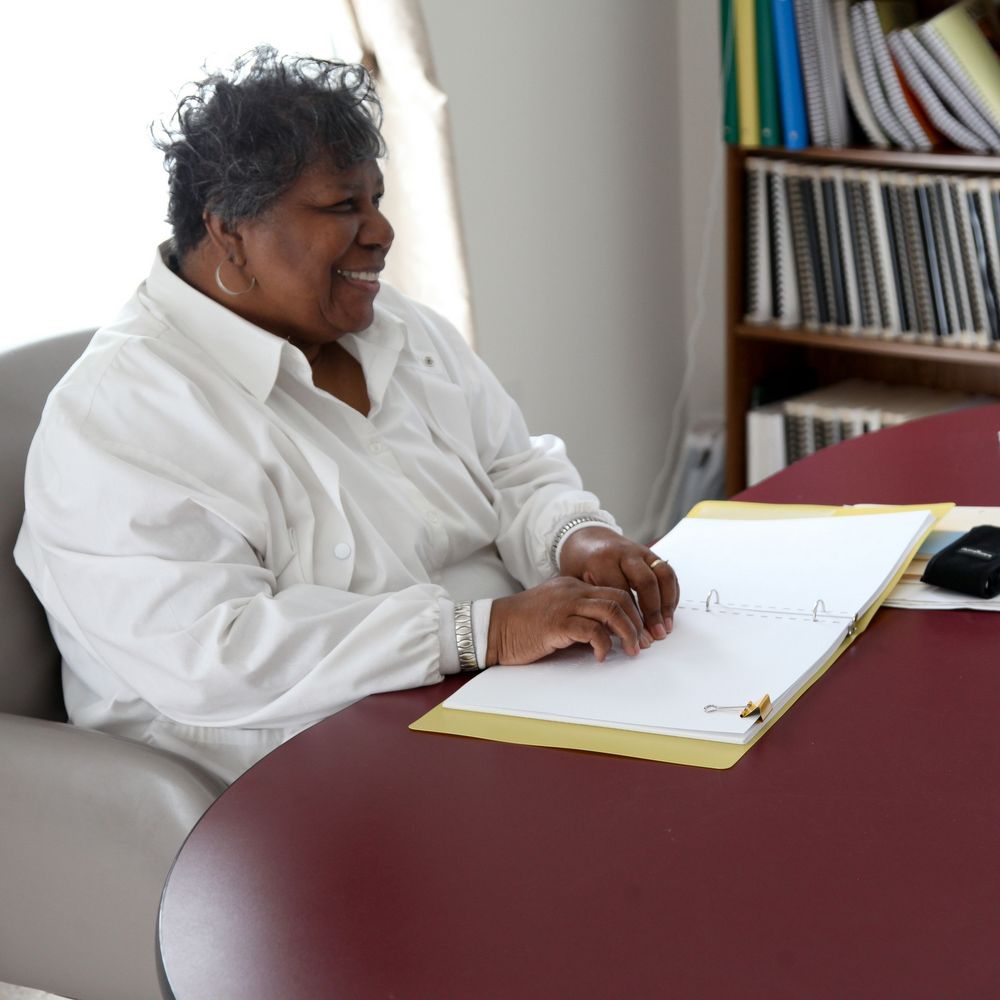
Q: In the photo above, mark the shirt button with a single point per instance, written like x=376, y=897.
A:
x=376, y=447
x=433, y=517
x=342, y=550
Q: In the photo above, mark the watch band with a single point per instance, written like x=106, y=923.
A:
x=468, y=662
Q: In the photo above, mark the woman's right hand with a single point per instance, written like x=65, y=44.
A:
x=527, y=626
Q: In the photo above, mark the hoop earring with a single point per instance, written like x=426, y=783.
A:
x=229, y=291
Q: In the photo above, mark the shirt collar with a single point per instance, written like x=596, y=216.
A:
x=249, y=354
x=377, y=350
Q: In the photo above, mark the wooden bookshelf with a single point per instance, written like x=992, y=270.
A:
x=754, y=352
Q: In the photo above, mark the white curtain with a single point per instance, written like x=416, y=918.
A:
x=428, y=259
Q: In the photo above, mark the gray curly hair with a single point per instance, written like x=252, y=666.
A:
x=240, y=139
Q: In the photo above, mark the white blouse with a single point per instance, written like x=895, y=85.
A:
x=228, y=554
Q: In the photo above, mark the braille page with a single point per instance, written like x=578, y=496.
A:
x=791, y=564
x=710, y=658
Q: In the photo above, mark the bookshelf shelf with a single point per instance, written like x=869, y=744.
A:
x=758, y=353
x=865, y=345
x=888, y=159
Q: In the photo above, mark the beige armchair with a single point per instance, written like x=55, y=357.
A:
x=89, y=823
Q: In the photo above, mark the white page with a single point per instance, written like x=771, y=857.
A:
x=709, y=658
x=844, y=561
x=923, y=597
x=729, y=654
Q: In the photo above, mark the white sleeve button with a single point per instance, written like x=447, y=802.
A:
x=342, y=550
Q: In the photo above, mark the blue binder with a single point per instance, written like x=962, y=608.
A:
x=794, y=128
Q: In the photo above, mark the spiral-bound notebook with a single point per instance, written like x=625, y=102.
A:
x=760, y=305
x=870, y=78
x=785, y=289
x=987, y=253
x=835, y=179
x=937, y=262
x=922, y=263
x=826, y=276
x=766, y=606
x=864, y=254
x=964, y=328
x=879, y=222
x=908, y=53
x=801, y=247
x=852, y=77
x=949, y=92
x=978, y=314
x=955, y=40
x=812, y=80
x=947, y=274
x=831, y=76
x=899, y=250
x=880, y=16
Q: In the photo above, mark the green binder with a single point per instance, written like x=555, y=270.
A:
x=730, y=108
x=767, y=77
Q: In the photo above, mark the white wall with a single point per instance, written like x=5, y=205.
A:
x=566, y=118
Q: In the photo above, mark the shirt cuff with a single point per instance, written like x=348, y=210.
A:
x=481, y=611
x=446, y=632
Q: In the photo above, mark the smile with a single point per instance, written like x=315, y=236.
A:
x=359, y=275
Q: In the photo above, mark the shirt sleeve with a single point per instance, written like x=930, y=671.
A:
x=167, y=582
x=536, y=487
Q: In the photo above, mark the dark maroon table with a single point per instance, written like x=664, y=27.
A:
x=854, y=852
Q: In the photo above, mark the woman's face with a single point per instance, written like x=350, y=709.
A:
x=316, y=254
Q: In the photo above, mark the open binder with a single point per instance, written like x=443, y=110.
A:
x=766, y=607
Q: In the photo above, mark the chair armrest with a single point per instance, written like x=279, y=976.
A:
x=89, y=827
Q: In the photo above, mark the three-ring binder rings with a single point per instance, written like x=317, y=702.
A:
x=766, y=605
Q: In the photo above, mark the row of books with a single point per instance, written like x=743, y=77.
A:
x=781, y=433
x=880, y=253
x=824, y=72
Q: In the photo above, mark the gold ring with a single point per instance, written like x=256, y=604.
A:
x=656, y=562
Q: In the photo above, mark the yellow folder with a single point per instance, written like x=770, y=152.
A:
x=654, y=746
x=745, y=17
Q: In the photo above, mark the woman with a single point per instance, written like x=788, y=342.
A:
x=272, y=485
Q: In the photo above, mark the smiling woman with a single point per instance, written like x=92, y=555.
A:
x=274, y=485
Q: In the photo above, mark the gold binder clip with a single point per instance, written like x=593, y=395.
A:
x=761, y=708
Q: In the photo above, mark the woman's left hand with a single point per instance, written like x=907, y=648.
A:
x=603, y=558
